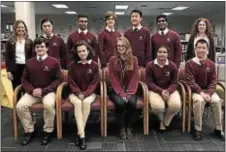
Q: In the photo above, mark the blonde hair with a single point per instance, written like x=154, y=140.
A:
x=128, y=53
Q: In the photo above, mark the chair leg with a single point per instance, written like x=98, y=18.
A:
x=189, y=116
x=184, y=117
x=15, y=124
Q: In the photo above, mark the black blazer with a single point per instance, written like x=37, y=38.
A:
x=10, y=60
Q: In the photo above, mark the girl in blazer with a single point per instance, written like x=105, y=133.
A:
x=123, y=73
x=18, y=51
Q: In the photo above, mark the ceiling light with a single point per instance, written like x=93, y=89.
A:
x=70, y=12
x=60, y=5
x=179, y=8
x=3, y=5
x=119, y=13
x=121, y=6
x=167, y=13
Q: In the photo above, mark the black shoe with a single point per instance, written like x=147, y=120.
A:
x=197, y=135
x=129, y=133
x=122, y=133
x=219, y=134
x=77, y=140
x=82, y=143
x=27, y=138
x=46, y=138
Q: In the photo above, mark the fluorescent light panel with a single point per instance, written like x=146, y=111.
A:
x=121, y=6
x=60, y=5
x=179, y=8
x=167, y=13
x=70, y=12
x=3, y=5
x=119, y=13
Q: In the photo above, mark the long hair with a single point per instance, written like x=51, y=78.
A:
x=16, y=23
x=209, y=28
x=128, y=53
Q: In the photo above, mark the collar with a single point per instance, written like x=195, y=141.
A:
x=88, y=62
x=197, y=60
x=45, y=36
x=156, y=62
x=43, y=57
x=110, y=30
x=85, y=31
x=138, y=27
x=165, y=31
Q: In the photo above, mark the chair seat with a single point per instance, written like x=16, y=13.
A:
x=111, y=106
x=38, y=107
x=68, y=106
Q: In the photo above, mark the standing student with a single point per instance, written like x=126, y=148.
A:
x=200, y=74
x=202, y=29
x=164, y=99
x=18, y=51
x=107, y=38
x=83, y=79
x=139, y=38
x=57, y=47
x=170, y=38
x=40, y=79
x=123, y=73
x=83, y=34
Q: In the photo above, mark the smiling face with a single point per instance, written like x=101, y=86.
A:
x=136, y=19
x=201, y=50
x=82, y=52
x=162, y=54
x=83, y=23
x=121, y=48
x=20, y=29
x=162, y=23
x=202, y=27
x=41, y=49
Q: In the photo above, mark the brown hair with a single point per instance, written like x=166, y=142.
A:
x=209, y=28
x=16, y=23
x=109, y=14
x=128, y=53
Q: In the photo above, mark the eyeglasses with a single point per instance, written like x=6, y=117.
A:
x=163, y=21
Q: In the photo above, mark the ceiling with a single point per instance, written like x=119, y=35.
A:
x=99, y=8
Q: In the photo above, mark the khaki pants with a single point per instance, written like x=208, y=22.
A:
x=199, y=106
x=158, y=106
x=23, y=111
x=81, y=111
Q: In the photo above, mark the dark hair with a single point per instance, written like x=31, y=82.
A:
x=16, y=23
x=202, y=41
x=109, y=14
x=46, y=20
x=76, y=58
x=161, y=16
x=82, y=15
x=137, y=11
x=163, y=46
x=40, y=41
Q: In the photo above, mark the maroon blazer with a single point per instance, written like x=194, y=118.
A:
x=10, y=58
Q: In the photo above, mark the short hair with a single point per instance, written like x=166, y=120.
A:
x=161, y=16
x=46, y=20
x=82, y=15
x=137, y=11
x=202, y=41
x=109, y=14
x=39, y=41
x=76, y=58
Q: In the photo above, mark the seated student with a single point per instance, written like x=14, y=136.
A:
x=161, y=77
x=41, y=76
x=200, y=74
x=83, y=79
x=123, y=73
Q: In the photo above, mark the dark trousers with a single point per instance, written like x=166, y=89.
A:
x=17, y=75
x=125, y=112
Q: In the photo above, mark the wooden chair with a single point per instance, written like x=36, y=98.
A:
x=38, y=107
x=142, y=102
x=182, y=92
x=64, y=105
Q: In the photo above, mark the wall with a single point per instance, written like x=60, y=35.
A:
x=180, y=24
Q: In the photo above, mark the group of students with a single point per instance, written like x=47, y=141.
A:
x=37, y=66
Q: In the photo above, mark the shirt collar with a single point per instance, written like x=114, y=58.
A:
x=138, y=27
x=45, y=36
x=88, y=62
x=43, y=57
x=197, y=60
x=156, y=62
x=165, y=31
x=110, y=30
x=85, y=31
